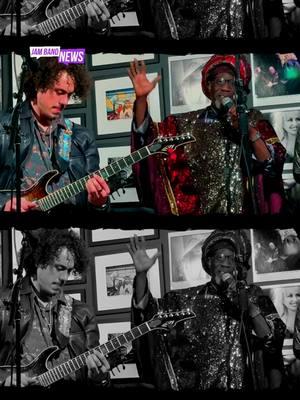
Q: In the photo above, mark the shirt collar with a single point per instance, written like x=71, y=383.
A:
x=26, y=112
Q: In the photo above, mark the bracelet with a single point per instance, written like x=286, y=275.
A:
x=257, y=136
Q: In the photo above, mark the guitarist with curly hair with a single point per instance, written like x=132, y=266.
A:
x=49, y=317
x=51, y=142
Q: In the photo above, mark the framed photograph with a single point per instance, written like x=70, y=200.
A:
x=185, y=252
x=114, y=104
x=275, y=78
x=275, y=254
x=78, y=294
x=185, y=83
x=109, y=331
x=77, y=118
x=287, y=351
x=286, y=122
x=101, y=236
x=124, y=180
x=16, y=68
x=114, y=280
x=124, y=20
x=111, y=59
x=286, y=298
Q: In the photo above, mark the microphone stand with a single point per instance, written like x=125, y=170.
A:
x=242, y=111
x=243, y=304
x=18, y=6
x=15, y=319
x=14, y=131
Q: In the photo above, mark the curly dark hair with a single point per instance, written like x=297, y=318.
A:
x=47, y=71
x=41, y=246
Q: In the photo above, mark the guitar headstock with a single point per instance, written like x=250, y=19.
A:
x=167, y=144
x=167, y=320
x=118, y=6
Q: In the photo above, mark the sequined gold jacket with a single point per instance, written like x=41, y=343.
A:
x=206, y=177
x=206, y=353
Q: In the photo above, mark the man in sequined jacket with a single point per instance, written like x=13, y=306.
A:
x=234, y=323
x=210, y=175
x=49, y=317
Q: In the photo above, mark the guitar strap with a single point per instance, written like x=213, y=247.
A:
x=61, y=156
x=65, y=316
x=166, y=182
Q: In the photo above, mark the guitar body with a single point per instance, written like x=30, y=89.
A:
x=45, y=376
x=38, y=190
x=38, y=366
x=38, y=14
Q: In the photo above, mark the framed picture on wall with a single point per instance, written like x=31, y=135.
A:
x=185, y=83
x=286, y=298
x=75, y=102
x=16, y=63
x=288, y=352
x=275, y=254
x=286, y=122
x=185, y=252
x=77, y=118
x=109, y=331
x=276, y=78
x=112, y=59
x=124, y=179
x=114, y=104
x=114, y=280
x=77, y=294
x=101, y=236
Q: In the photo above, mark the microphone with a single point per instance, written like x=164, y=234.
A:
x=228, y=281
x=227, y=103
x=239, y=287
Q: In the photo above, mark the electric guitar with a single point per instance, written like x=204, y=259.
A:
x=36, y=16
x=46, y=377
x=38, y=194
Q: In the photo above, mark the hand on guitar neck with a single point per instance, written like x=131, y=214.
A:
x=25, y=380
x=11, y=205
x=96, y=363
x=97, y=189
x=26, y=29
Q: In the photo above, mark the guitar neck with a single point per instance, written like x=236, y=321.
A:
x=59, y=196
x=59, y=372
x=59, y=20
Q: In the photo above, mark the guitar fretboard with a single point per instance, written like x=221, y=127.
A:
x=59, y=372
x=57, y=21
x=72, y=189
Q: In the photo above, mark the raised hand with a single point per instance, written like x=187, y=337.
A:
x=142, y=85
x=140, y=258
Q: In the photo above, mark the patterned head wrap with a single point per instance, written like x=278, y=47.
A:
x=229, y=60
x=233, y=239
